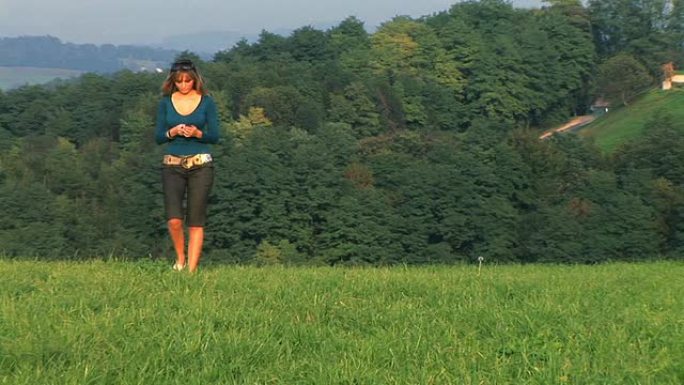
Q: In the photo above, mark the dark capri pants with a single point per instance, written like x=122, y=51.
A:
x=197, y=182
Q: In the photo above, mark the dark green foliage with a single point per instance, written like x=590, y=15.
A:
x=31, y=226
x=654, y=168
x=621, y=78
x=650, y=30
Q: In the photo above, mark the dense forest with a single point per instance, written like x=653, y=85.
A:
x=50, y=52
x=417, y=143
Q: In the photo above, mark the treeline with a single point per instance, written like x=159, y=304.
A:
x=51, y=52
x=415, y=144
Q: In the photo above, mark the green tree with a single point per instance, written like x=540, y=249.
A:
x=280, y=103
x=622, y=77
x=355, y=107
x=348, y=36
x=653, y=168
x=649, y=30
x=395, y=50
x=309, y=44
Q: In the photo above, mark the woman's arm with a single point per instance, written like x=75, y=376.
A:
x=160, y=129
x=211, y=131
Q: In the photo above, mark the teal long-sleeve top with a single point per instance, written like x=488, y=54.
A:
x=204, y=117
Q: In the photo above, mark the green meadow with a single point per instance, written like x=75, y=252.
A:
x=625, y=123
x=115, y=322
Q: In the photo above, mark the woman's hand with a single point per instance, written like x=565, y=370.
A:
x=185, y=130
x=178, y=129
x=190, y=131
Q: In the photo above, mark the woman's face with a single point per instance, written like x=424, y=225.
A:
x=184, y=82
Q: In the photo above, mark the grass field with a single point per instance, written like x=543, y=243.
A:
x=141, y=323
x=12, y=77
x=625, y=123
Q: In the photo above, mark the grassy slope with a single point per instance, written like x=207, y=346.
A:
x=625, y=123
x=141, y=323
x=11, y=77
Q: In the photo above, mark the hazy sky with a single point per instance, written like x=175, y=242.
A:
x=149, y=21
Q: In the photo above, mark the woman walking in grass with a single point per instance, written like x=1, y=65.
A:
x=187, y=123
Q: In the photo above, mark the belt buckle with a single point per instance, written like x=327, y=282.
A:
x=186, y=162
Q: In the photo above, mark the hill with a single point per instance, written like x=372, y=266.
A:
x=51, y=52
x=205, y=44
x=12, y=77
x=624, y=123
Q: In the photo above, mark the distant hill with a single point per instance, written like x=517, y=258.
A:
x=51, y=52
x=13, y=77
x=205, y=44
x=625, y=123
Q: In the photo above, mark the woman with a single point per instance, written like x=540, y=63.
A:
x=187, y=121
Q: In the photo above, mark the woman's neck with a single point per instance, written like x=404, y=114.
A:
x=190, y=94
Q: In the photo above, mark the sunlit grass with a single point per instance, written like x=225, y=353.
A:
x=625, y=123
x=141, y=323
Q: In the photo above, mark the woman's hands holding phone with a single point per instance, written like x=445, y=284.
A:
x=186, y=130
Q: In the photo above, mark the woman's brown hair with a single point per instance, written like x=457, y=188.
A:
x=179, y=67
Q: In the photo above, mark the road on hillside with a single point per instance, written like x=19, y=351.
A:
x=572, y=124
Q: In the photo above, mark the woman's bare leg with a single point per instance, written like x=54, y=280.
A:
x=196, y=238
x=178, y=239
